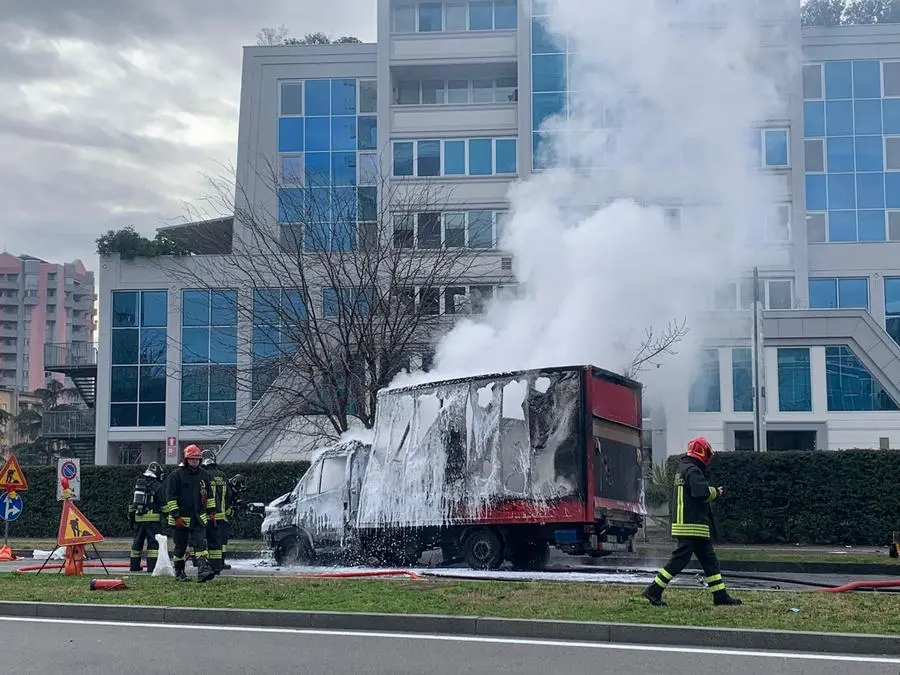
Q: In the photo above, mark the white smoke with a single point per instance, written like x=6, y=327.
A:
x=667, y=99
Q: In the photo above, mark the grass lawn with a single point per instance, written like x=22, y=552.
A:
x=124, y=544
x=808, y=556
x=860, y=612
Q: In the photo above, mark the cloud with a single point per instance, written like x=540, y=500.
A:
x=116, y=111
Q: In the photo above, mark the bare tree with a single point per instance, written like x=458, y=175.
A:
x=656, y=345
x=272, y=37
x=345, y=287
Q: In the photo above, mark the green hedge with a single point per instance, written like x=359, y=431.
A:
x=848, y=497
x=106, y=493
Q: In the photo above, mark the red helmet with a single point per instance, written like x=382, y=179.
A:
x=193, y=452
x=700, y=448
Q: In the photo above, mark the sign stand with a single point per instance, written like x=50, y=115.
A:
x=75, y=532
x=12, y=479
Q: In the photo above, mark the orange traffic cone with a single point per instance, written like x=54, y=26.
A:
x=74, y=564
x=6, y=554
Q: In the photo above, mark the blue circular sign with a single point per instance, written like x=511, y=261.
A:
x=69, y=470
x=10, y=508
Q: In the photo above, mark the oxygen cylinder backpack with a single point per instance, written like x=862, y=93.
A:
x=142, y=497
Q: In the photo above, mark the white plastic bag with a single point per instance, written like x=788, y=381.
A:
x=164, y=566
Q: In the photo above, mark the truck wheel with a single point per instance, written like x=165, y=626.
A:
x=294, y=551
x=531, y=556
x=484, y=550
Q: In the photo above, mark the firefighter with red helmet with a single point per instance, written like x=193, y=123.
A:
x=691, y=518
x=189, y=507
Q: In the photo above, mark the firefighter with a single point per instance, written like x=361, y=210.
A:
x=216, y=526
x=236, y=487
x=691, y=518
x=145, y=515
x=189, y=508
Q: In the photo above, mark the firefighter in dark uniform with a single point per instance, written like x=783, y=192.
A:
x=691, y=518
x=236, y=487
x=145, y=516
x=215, y=528
x=189, y=507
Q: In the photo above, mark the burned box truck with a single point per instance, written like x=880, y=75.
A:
x=486, y=469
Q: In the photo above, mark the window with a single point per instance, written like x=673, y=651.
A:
x=472, y=157
x=278, y=317
x=773, y=294
x=208, y=357
x=850, y=386
x=779, y=294
x=292, y=170
x=891, y=74
x=778, y=226
x=506, y=16
x=404, y=18
x=368, y=97
x=814, y=155
x=794, y=380
x=431, y=17
x=705, y=393
x=455, y=16
x=347, y=301
x=892, y=153
x=775, y=148
x=812, y=81
x=291, y=98
x=742, y=379
x=138, y=354
x=892, y=307
x=333, y=469
x=838, y=80
x=432, y=230
x=893, y=226
x=839, y=293
x=456, y=91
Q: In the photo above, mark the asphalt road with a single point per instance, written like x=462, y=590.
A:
x=64, y=647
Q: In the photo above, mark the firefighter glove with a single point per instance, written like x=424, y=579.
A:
x=721, y=491
x=179, y=523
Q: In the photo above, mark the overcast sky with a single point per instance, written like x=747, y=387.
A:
x=113, y=111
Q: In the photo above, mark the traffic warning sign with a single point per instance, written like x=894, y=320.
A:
x=75, y=528
x=11, y=476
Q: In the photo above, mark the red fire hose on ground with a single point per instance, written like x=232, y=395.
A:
x=860, y=585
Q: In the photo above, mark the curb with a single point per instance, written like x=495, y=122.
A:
x=614, y=633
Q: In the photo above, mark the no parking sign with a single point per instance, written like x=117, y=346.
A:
x=70, y=469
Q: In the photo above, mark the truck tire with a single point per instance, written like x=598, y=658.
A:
x=530, y=556
x=294, y=550
x=483, y=550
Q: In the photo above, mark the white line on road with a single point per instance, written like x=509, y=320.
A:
x=468, y=638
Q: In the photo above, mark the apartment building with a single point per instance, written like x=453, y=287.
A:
x=453, y=94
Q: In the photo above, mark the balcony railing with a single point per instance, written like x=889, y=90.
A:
x=68, y=423
x=69, y=355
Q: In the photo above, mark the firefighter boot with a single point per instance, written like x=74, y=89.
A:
x=151, y=564
x=653, y=593
x=722, y=598
x=204, y=571
x=179, y=571
x=134, y=564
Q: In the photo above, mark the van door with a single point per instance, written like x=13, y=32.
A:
x=320, y=509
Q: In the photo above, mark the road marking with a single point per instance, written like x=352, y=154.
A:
x=467, y=638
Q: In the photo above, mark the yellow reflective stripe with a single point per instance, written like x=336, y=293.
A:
x=659, y=582
x=215, y=555
x=713, y=493
x=135, y=554
x=718, y=587
x=153, y=553
x=219, y=515
x=665, y=575
x=679, y=511
x=714, y=578
x=170, y=505
x=699, y=531
x=150, y=517
x=203, y=518
x=187, y=521
x=211, y=503
x=201, y=554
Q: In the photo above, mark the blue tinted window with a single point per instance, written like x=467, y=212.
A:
x=869, y=153
x=842, y=226
x=318, y=133
x=849, y=384
x=481, y=15
x=125, y=346
x=124, y=308
x=776, y=147
x=548, y=72
x=153, y=346
x=123, y=384
x=481, y=229
x=742, y=379
x=506, y=16
x=840, y=154
x=343, y=168
x=428, y=161
x=542, y=42
x=892, y=189
x=318, y=204
x=223, y=310
x=813, y=118
x=195, y=308
x=838, y=80
x=368, y=203
x=870, y=190
x=153, y=308
x=223, y=344
x=194, y=383
x=506, y=155
x=290, y=134
x=367, y=134
x=841, y=191
x=344, y=236
x=343, y=133
x=343, y=97
x=892, y=296
x=871, y=225
x=545, y=105
x=794, y=381
x=839, y=118
x=853, y=293
x=152, y=384
x=330, y=304
x=292, y=170
x=317, y=237
x=867, y=117
x=431, y=17
x=891, y=113
x=705, y=394
x=343, y=203
x=318, y=98
x=318, y=169
x=222, y=383
x=195, y=345
x=867, y=79
x=194, y=414
x=152, y=415
x=123, y=415
x=481, y=157
x=823, y=294
x=290, y=205
x=454, y=158
x=816, y=193
x=222, y=414
x=403, y=159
